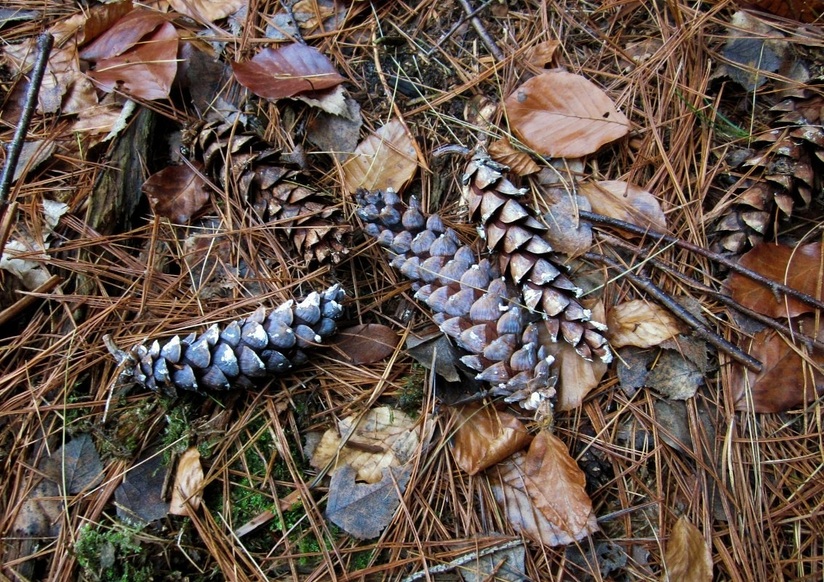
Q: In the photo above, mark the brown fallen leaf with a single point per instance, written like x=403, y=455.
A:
x=688, y=557
x=485, y=436
x=625, y=201
x=140, y=497
x=542, y=55
x=176, y=193
x=286, y=72
x=799, y=267
x=640, y=323
x=566, y=232
x=520, y=163
x=787, y=381
x=577, y=377
x=125, y=33
x=207, y=10
x=366, y=343
x=542, y=493
x=76, y=465
x=384, y=159
x=563, y=115
x=188, y=483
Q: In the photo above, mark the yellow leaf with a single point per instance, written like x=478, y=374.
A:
x=385, y=159
x=188, y=482
x=688, y=557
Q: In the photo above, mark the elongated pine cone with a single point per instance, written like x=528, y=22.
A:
x=275, y=187
x=240, y=353
x=470, y=300
x=517, y=236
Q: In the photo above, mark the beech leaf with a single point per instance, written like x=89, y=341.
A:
x=384, y=159
x=798, y=267
x=123, y=34
x=519, y=162
x=367, y=343
x=640, y=323
x=176, y=193
x=688, y=557
x=76, y=465
x=188, y=483
x=208, y=10
x=542, y=493
x=563, y=115
x=485, y=436
x=286, y=72
x=140, y=496
x=624, y=201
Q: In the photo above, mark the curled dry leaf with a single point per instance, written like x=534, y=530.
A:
x=787, y=380
x=560, y=114
x=485, y=436
x=688, y=557
x=286, y=72
x=188, y=483
x=542, y=493
x=383, y=438
x=640, y=323
x=624, y=201
x=542, y=55
x=521, y=163
x=146, y=70
x=123, y=34
x=565, y=231
x=367, y=343
x=384, y=159
x=798, y=267
x=207, y=10
x=176, y=193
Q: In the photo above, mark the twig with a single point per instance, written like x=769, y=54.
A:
x=461, y=560
x=774, y=286
x=456, y=26
x=700, y=330
x=479, y=27
x=44, y=45
x=18, y=306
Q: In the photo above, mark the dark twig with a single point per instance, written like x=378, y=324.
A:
x=698, y=327
x=44, y=45
x=456, y=26
x=479, y=27
x=774, y=286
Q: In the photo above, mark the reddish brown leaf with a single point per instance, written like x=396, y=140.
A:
x=625, y=201
x=519, y=162
x=384, y=159
x=367, y=343
x=787, y=380
x=188, y=483
x=563, y=115
x=176, y=193
x=286, y=72
x=121, y=36
x=542, y=493
x=145, y=71
x=102, y=18
x=688, y=557
x=797, y=267
x=485, y=436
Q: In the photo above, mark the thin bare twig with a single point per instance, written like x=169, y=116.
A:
x=456, y=26
x=700, y=330
x=479, y=27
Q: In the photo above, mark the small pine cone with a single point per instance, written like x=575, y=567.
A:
x=470, y=301
x=524, y=254
x=241, y=352
x=276, y=189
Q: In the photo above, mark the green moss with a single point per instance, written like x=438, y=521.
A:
x=111, y=554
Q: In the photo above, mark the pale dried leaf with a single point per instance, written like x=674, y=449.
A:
x=519, y=162
x=688, y=557
x=566, y=232
x=674, y=376
x=384, y=159
x=542, y=55
x=186, y=492
x=560, y=114
x=627, y=202
x=542, y=493
x=485, y=436
x=207, y=10
x=383, y=438
x=640, y=323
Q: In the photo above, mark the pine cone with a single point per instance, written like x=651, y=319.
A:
x=517, y=236
x=470, y=301
x=785, y=169
x=241, y=352
x=275, y=187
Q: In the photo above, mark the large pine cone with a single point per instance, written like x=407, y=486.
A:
x=240, y=353
x=470, y=301
x=517, y=236
x=779, y=177
x=275, y=186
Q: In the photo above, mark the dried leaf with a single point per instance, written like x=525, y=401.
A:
x=787, y=381
x=145, y=71
x=176, y=193
x=504, y=565
x=383, y=438
x=123, y=34
x=207, y=10
x=674, y=376
x=188, y=484
x=32, y=154
x=800, y=10
x=140, y=496
x=798, y=267
x=303, y=18
x=577, y=377
x=542, y=55
x=76, y=465
x=753, y=50
x=436, y=353
x=566, y=232
x=563, y=115
x=336, y=134
x=688, y=557
x=624, y=201
x=542, y=493
x=366, y=343
x=364, y=510
x=287, y=71
x=485, y=436
x=640, y=323
x=520, y=163
x=384, y=159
